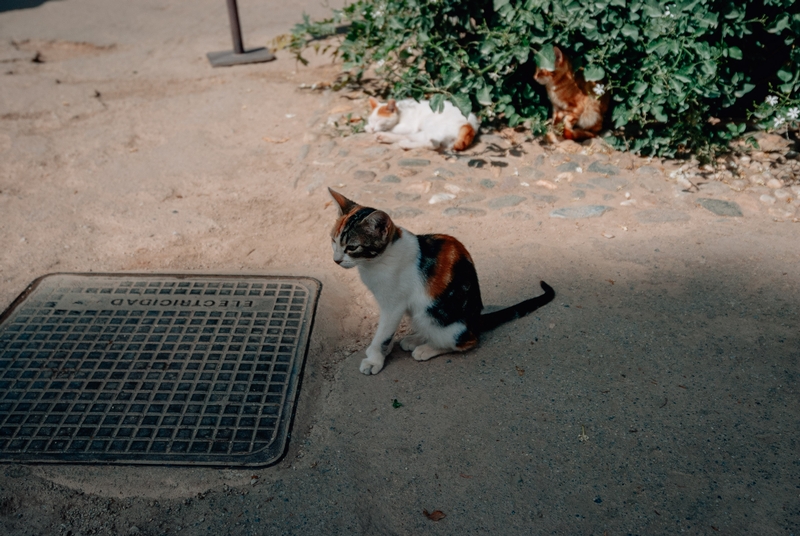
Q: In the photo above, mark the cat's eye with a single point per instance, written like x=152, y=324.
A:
x=351, y=249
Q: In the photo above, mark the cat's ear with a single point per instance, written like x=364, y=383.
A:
x=559, y=55
x=379, y=224
x=373, y=103
x=345, y=205
x=391, y=106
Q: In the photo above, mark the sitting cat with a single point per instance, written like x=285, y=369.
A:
x=574, y=103
x=413, y=124
x=429, y=277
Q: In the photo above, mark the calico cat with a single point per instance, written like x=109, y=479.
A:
x=413, y=124
x=573, y=99
x=429, y=277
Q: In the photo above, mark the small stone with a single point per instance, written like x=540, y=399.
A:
x=464, y=211
x=530, y=173
x=775, y=184
x=608, y=235
x=505, y=201
x=406, y=197
x=405, y=212
x=579, y=212
x=720, y=207
x=578, y=194
x=443, y=172
x=661, y=216
x=413, y=162
x=649, y=171
x=569, y=166
x=379, y=150
x=605, y=169
x=472, y=198
x=684, y=183
x=628, y=202
x=714, y=188
x=420, y=187
x=738, y=185
x=517, y=215
x=564, y=177
x=441, y=198
x=549, y=199
x=391, y=178
x=547, y=184
x=767, y=199
x=452, y=188
x=611, y=184
x=782, y=194
x=487, y=183
x=364, y=175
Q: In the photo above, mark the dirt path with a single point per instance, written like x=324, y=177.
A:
x=671, y=348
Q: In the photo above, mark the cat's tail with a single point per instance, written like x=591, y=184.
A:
x=490, y=321
x=466, y=134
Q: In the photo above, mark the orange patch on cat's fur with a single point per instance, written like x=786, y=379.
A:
x=465, y=136
x=389, y=110
x=452, y=250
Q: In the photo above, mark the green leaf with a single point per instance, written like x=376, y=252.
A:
x=784, y=75
x=463, y=103
x=746, y=88
x=780, y=24
x=640, y=87
x=546, y=58
x=484, y=96
x=396, y=404
x=735, y=53
x=593, y=73
x=437, y=102
x=629, y=30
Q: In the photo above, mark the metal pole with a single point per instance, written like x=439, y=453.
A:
x=236, y=29
x=238, y=55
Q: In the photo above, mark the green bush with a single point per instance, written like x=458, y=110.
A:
x=684, y=76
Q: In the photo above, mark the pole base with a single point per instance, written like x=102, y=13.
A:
x=226, y=58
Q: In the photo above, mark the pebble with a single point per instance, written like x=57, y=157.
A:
x=579, y=212
x=599, y=167
x=517, y=215
x=782, y=194
x=549, y=199
x=578, y=194
x=569, y=166
x=406, y=197
x=413, y=162
x=443, y=172
x=391, y=179
x=649, y=171
x=720, y=207
x=405, y=212
x=364, y=175
x=546, y=184
x=530, y=173
x=775, y=183
x=464, y=211
x=768, y=199
x=487, y=183
x=505, y=201
x=441, y=198
x=609, y=183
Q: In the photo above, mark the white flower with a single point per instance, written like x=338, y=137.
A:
x=772, y=100
x=779, y=120
x=377, y=13
x=793, y=113
x=599, y=90
x=493, y=76
x=380, y=63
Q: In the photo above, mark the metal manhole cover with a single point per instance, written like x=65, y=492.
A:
x=153, y=369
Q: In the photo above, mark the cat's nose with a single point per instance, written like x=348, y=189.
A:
x=338, y=261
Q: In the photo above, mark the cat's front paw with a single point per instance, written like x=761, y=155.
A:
x=424, y=352
x=410, y=342
x=382, y=138
x=370, y=367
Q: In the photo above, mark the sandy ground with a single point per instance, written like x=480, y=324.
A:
x=671, y=348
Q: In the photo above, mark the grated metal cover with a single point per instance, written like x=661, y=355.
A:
x=153, y=369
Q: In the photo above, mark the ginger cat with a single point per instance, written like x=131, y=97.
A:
x=574, y=100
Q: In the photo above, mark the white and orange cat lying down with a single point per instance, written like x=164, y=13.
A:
x=411, y=124
x=430, y=277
